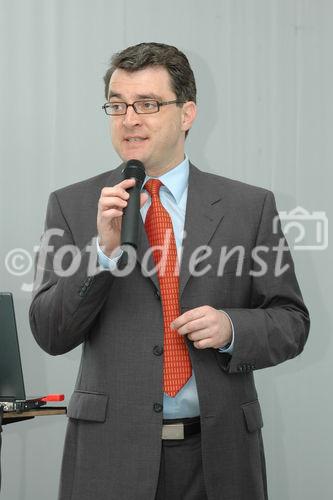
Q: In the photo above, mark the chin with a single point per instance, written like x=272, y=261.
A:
x=135, y=155
x=126, y=155
x=129, y=154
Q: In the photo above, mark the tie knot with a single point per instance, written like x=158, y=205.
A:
x=153, y=186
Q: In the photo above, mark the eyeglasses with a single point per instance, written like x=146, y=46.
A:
x=144, y=107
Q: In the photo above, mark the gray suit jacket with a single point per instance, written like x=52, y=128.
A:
x=113, y=441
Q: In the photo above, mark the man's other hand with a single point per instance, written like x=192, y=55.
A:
x=205, y=326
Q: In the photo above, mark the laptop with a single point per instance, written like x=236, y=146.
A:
x=12, y=390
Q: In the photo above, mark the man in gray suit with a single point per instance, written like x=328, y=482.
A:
x=238, y=306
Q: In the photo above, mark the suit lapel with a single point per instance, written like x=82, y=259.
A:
x=204, y=211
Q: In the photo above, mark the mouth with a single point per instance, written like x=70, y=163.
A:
x=135, y=140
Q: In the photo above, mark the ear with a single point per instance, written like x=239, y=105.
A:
x=189, y=112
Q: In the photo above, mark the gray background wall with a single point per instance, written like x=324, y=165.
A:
x=265, y=75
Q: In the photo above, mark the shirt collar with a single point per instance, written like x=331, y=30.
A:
x=175, y=180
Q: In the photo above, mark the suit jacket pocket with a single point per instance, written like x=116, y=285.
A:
x=252, y=415
x=89, y=406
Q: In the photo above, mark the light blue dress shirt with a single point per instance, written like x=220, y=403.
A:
x=173, y=196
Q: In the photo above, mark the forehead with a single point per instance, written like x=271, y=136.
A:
x=147, y=82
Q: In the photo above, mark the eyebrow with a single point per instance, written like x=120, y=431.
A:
x=150, y=95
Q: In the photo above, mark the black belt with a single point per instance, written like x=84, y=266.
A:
x=180, y=428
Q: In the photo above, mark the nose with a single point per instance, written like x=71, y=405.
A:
x=131, y=119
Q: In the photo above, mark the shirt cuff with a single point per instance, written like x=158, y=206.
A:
x=228, y=347
x=108, y=262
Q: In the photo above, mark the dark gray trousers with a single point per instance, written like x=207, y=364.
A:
x=181, y=474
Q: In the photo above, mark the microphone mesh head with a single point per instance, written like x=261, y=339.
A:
x=134, y=168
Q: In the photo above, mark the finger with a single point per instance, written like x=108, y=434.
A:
x=115, y=192
x=187, y=316
x=106, y=203
x=203, y=344
x=126, y=183
x=111, y=213
x=109, y=201
x=118, y=189
x=143, y=199
x=199, y=335
x=192, y=326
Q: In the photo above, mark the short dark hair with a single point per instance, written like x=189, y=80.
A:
x=143, y=55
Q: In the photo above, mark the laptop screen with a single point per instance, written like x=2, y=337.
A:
x=11, y=376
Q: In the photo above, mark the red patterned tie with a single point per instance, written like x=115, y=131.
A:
x=158, y=224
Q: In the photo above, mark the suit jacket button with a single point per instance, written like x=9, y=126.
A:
x=158, y=350
x=157, y=294
x=158, y=407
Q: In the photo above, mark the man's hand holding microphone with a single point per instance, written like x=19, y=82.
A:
x=118, y=209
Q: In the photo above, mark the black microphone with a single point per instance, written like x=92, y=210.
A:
x=131, y=213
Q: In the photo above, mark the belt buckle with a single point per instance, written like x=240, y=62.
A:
x=173, y=431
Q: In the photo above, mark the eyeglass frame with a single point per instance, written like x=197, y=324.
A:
x=159, y=104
